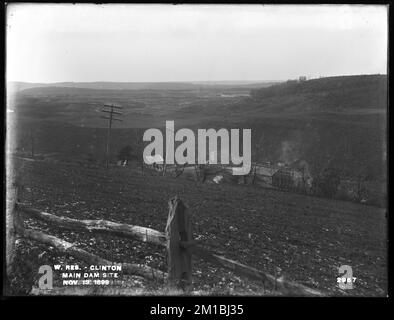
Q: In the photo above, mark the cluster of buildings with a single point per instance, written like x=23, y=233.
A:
x=295, y=176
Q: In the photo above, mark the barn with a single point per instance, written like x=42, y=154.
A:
x=283, y=179
x=292, y=179
x=264, y=173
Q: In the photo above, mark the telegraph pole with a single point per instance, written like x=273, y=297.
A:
x=109, y=108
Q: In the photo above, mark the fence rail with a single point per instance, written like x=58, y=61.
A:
x=72, y=250
x=97, y=226
x=177, y=239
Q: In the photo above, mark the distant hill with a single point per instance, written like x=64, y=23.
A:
x=364, y=92
x=15, y=86
x=144, y=104
x=329, y=122
x=19, y=86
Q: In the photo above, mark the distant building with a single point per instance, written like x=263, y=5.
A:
x=302, y=78
x=283, y=179
x=156, y=159
x=265, y=173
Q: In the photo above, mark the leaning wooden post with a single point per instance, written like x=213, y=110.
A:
x=179, y=228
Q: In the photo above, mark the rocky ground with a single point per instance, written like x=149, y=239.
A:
x=304, y=238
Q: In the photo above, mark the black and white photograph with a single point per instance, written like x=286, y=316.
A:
x=196, y=150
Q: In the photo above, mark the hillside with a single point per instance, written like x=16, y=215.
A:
x=144, y=104
x=333, y=94
x=303, y=238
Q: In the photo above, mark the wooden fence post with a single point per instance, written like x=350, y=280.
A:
x=179, y=228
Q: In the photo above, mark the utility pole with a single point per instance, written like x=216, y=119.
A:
x=109, y=108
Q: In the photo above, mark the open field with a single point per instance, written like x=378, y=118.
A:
x=306, y=238
x=330, y=123
x=144, y=105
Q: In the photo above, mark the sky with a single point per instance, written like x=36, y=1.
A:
x=160, y=43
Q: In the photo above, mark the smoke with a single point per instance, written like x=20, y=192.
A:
x=291, y=148
x=290, y=151
x=304, y=167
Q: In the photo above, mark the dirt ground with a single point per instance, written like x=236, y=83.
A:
x=304, y=238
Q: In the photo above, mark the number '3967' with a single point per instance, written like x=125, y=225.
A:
x=347, y=280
